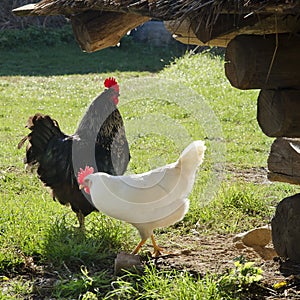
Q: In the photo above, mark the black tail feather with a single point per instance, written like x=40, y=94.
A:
x=43, y=130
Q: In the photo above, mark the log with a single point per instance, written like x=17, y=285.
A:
x=231, y=25
x=284, y=161
x=227, y=27
x=278, y=112
x=250, y=63
x=183, y=32
x=224, y=25
x=95, y=30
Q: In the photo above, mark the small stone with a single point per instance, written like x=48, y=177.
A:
x=256, y=237
x=129, y=262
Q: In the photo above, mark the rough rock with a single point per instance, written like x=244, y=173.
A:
x=256, y=240
x=256, y=237
x=129, y=262
x=286, y=228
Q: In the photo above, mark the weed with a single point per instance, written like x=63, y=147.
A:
x=240, y=279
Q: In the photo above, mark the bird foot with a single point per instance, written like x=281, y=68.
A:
x=158, y=251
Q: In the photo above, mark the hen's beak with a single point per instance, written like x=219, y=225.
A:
x=81, y=186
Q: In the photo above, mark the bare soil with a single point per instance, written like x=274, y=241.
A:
x=215, y=254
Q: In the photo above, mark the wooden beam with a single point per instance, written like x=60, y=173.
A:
x=224, y=25
x=183, y=32
x=231, y=25
x=220, y=34
x=278, y=112
x=259, y=62
x=284, y=161
x=95, y=30
x=213, y=29
x=210, y=29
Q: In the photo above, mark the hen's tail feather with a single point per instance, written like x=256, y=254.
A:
x=193, y=154
x=43, y=130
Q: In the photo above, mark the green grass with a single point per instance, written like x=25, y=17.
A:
x=165, y=285
x=171, y=284
x=246, y=145
x=164, y=111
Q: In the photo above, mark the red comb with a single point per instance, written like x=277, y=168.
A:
x=83, y=173
x=109, y=82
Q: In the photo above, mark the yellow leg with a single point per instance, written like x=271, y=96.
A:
x=138, y=247
x=157, y=250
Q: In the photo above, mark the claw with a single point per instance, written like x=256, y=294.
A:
x=157, y=250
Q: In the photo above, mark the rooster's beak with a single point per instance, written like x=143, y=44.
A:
x=81, y=186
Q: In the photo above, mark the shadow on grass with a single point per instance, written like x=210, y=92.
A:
x=69, y=59
x=67, y=247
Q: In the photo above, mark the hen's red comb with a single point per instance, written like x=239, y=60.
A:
x=83, y=173
x=109, y=82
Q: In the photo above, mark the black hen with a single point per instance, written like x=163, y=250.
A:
x=99, y=141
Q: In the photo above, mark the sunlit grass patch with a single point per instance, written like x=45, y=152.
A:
x=162, y=113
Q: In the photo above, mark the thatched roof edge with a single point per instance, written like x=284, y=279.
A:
x=169, y=9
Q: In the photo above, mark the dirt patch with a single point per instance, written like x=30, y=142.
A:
x=215, y=254
x=257, y=175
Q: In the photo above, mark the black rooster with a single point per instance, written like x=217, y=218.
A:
x=99, y=141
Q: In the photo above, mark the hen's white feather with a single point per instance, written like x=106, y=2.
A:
x=157, y=198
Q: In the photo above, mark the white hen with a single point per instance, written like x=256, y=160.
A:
x=150, y=200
